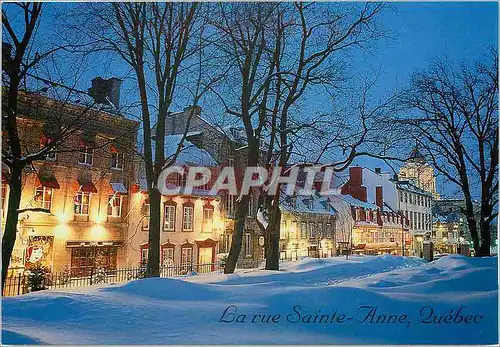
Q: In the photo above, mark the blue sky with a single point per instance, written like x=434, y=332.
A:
x=459, y=31
x=421, y=32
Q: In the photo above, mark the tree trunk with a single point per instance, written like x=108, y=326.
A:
x=241, y=209
x=10, y=232
x=485, y=249
x=273, y=239
x=154, y=234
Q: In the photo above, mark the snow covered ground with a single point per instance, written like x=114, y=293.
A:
x=376, y=300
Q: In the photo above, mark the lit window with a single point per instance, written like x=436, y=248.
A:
x=320, y=230
x=283, y=230
x=115, y=205
x=303, y=230
x=117, y=160
x=208, y=217
x=225, y=242
x=82, y=203
x=43, y=196
x=169, y=220
x=187, y=224
x=168, y=256
x=85, y=155
x=186, y=255
x=329, y=230
x=248, y=244
x=311, y=230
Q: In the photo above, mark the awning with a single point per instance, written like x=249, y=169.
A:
x=119, y=188
x=87, y=187
x=381, y=245
x=48, y=181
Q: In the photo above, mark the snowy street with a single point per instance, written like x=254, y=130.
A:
x=376, y=300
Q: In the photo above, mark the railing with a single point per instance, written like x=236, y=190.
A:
x=19, y=284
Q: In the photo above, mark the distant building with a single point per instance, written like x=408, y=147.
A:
x=419, y=173
x=416, y=205
x=379, y=227
x=450, y=225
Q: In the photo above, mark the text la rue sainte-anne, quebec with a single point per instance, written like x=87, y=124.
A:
x=365, y=314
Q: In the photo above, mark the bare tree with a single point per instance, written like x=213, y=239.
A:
x=279, y=53
x=309, y=40
x=29, y=81
x=454, y=117
x=163, y=44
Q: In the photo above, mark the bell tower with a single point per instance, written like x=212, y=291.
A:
x=419, y=172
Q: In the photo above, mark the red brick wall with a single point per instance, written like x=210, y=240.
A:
x=379, y=197
x=354, y=187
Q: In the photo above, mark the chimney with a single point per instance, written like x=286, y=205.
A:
x=106, y=91
x=114, y=85
x=356, y=176
x=378, y=170
x=379, y=198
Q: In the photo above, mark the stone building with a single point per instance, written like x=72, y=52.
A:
x=191, y=224
x=227, y=147
x=82, y=188
x=307, y=227
x=450, y=228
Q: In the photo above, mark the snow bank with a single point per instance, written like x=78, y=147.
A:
x=164, y=289
x=358, y=297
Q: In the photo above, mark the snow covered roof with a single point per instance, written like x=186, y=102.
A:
x=190, y=153
x=197, y=192
x=308, y=204
x=408, y=186
x=357, y=203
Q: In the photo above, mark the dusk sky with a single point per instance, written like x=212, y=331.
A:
x=419, y=33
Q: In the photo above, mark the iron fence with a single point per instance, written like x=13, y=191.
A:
x=22, y=283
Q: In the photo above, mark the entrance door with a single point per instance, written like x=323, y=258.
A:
x=87, y=260
x=205, y=255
